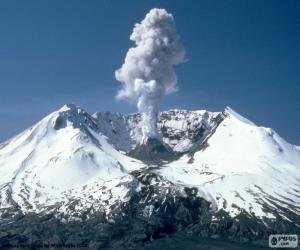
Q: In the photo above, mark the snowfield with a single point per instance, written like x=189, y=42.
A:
x=70, y=155
x=61, y=157
x=243, y=166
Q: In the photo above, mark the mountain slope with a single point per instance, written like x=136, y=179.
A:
x=179, y=129
x=223, y=177
x=63, y=156
x=245, y=167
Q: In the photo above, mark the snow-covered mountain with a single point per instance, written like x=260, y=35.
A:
x=236, y=163
x=242, y=166
x=72, y=163
x=61, y=158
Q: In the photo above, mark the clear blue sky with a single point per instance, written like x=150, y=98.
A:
x=244, y=54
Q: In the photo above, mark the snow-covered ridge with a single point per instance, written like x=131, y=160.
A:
x=179, y=129
x=243, y=167
x=72, y=155
x=230, y=112
x=62, y=156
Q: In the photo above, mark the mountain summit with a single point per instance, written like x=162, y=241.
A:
x=212, y=167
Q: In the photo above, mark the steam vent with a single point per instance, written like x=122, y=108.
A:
x=153, y=150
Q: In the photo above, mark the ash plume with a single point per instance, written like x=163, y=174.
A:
x=147, y=73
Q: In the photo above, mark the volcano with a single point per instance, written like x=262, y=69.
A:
x=213, y=175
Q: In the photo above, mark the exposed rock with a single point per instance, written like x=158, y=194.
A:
x=153, y=150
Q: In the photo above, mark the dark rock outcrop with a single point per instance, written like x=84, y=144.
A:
x=153, y=150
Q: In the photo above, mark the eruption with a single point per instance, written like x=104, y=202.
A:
x=147, y=73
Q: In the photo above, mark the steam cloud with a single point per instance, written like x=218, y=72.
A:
x=147, y=73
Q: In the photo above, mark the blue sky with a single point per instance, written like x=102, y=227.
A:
x=244, y=54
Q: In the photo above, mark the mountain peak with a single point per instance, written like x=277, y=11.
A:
x=73, y=115
x=230, y=112
x=69, y=106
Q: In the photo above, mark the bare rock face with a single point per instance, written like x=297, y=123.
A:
x=153, y=150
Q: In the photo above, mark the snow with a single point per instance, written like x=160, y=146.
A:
x=42, y=163
x=124, y=131
x=239, y=158
x=72, y=155
x=232, y=113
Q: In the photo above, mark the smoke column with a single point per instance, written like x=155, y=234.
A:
x=147, y=73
